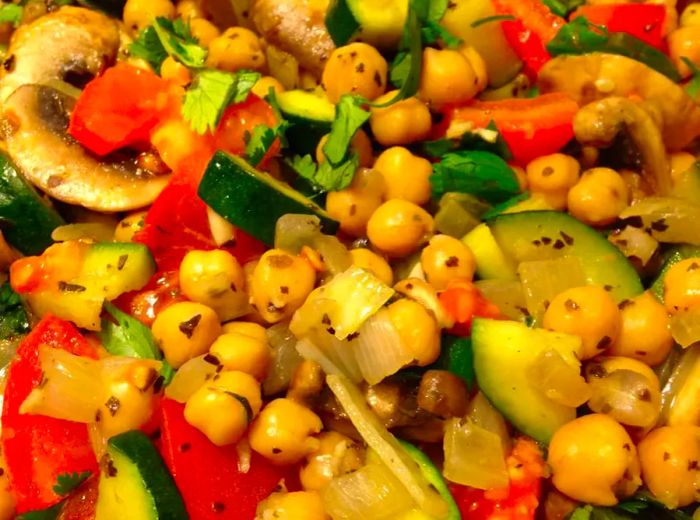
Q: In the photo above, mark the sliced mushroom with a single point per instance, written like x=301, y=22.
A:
x=71, y=45
x=595, y=76
x=34, y=122
x=599, y=123
x=296, y=27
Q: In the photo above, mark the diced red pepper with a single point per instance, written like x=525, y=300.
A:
x=37, y=448
x=207, y=475
x=534, y=26
x=644, y=21
x=531, y=127
x=120, y=109
x=519, y=500
x=161, y=290
x=463, y=302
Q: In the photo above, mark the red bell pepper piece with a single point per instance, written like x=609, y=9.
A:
x=463, y=302
x=534, y=26
x=37, y=448
x=207, y=475
x=161, y=290
x=531, y=127
x=644, y=21
x=120, y=108
x=519, y=500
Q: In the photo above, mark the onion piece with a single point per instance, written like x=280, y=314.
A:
x=335, y=356
x=507, y=295
x=222, y=231
x=371, y=493
x=387, y=447
x=285, y=359
x=94, y=231
x=543, y=279
x=634, y=243
x=189, y=377
x=668, y=220
x=626, y=396
x=379, y=350
x=679, y=394
x=557, y=379
x=474, y=456
x=482, y=413
x=421, y=291
x=685, y=327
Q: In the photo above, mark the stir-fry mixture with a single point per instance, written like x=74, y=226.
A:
x=349, y=260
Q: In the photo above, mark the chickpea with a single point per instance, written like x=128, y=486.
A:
x=447, y=77
x=7, y=498
x=174, y=71
x=680, y=163
x=406, y=176
x=588, y=312
x=355, y=205
x=254, y=330
x=297, y=505
x=357, y=68
x=690, y=16
x=306, y=383
x=263, y=85
x=129, y=226
x=594, y=460
x=478, y=66
x=244, y=353
x=417, y=328
x=127, y=400
x=372, y=262
x=519, y=172
x=204, y=31
x=682, y=285
x=284, y=432
x=190, y=9
x=610, y=364
x=405, y=122
x=360, y=143
x=669, y=458
x=598, y=197
x=185, y=330
x=237, y=48
x=552, y=176
x=644, y=330
x=281, y=283
x=223, y=407
x=336, y=456
x=215, y=279
x=176, y=142
x=398, y=227
x=444, y=259
x=684, y=43
x=139, y=14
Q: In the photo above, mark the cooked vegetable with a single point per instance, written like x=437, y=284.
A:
x=380, y=26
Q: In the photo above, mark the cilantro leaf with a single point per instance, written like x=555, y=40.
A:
x=491, y=19
x=563, y=7
x=167, y=38
x=482, y=174
x=50, y=513
x=433, y=32
x=487, y=139
x=348, y=120
x=11, y=13
x=693, y=86
x=326, y=177
x=67, y=482
x=127, y=336
x=147, y=46
x=260, y=141
x=437, y=9
x=211, y=92
x=167, y=372
x=13, y=316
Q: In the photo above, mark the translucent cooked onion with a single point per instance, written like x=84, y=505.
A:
x=482, y=413
x=679, y=393
x=379, y=350
x=96, y=231
x=507, y=295
x=371, y=493
x=474, y=456
x=668, y=220
x=635, y=243
x=335, y=356
x=558, y=380
x=222, y=231
x=425, y=294
x=189, y=377
x=285, y=359
x=685, y=327
x=625, y=395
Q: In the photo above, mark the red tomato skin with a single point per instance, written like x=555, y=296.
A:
x=37, y=448
x=643, y=21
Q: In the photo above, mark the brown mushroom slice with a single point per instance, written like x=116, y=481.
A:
x=35, y=121
x=595, y=76
x=296, y=27
x=599, y=123
x=69, y=45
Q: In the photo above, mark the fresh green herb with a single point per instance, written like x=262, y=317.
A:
x=167, y=372
x=492, y=19
x=639, y=507
x=457, y=356
x=482, y=174
x=11, y=13
x=326, y=177
x=433, y=32
x=259, y=142
x=693, y=86
x=348, y=120
x=211, y=92
x=13, y=316
x=126, y=336
x=167, y=38
x=582, y=37
x=50, y=513
x=487, y=139
x=67, y=482
x=563, y=7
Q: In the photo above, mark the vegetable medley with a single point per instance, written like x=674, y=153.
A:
x=350, y=259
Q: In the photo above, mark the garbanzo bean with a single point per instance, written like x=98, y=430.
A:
x=354, y=206
x=129, y=226
x=254, y=330
x=682, y=285
x=399, y=227
x=405, y=122
x=185, y=330
x=644, y=330
x=237, y=48
x=281, y=282
x=598, y=197
x=447, y=77
x=372, y=262
x=552, y=176
x=594, y=460
x=478, y=66
x=204, y=31
x=284, y=432
x=360, y=143
x=263, y=85
x=236, y=351
x=174, y=71
x=190, y=9
x=336, y=455
x=691, y=15
x=292, y=506
x=684, y=43
x=139, y=14
x=417, y=328
x=406, y=176
x=444, y=259
x=588, y=312
x=356, y=68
